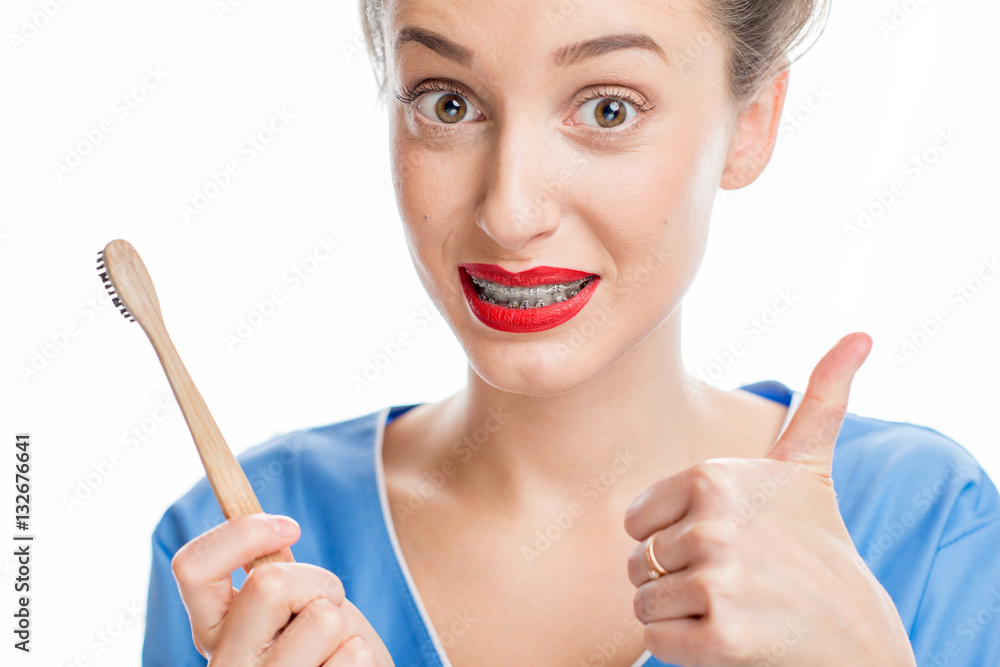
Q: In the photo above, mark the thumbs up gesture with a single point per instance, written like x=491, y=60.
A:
x=717, y=588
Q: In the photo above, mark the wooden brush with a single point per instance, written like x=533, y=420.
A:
x=131, y=289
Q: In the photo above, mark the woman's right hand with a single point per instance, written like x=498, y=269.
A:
x=284, y=614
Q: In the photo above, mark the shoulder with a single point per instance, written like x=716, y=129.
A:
x=914, y=464
x=925, y=517
x=282, y=471
x=906, y=491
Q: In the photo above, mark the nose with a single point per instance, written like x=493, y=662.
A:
x=521, y=201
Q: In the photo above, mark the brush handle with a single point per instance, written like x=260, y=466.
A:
x=229, y=483
x=127, y=280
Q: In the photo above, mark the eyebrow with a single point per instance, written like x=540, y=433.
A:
x=562, y=57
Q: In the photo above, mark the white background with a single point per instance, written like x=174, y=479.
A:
x=860, y=105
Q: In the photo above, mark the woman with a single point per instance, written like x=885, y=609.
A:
x=584, y=500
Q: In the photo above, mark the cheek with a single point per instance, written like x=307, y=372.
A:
x=426, y=177
x=430, y=197
x=419, y=189
x=651, y=212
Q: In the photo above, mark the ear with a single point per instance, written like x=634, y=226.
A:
x=756, y=131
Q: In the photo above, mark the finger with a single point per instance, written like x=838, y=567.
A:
x=286, y=557
x=318, y=628
x=664, y=502
x=271, y=595
x=368, y=633
x=812, y=432
x=639, y=566
x=674, y=595
x=682, y=545
x=678, y=641
x=203, y=566
x=353, y=653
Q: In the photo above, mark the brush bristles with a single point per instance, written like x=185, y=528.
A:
x=108, y=285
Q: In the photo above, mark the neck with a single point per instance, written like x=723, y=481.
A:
x=605, y=440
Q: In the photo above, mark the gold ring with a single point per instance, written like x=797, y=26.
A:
x=655, y=569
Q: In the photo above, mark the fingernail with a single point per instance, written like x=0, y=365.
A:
x=284, y=526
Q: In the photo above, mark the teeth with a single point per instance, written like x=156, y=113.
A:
x=520, y=297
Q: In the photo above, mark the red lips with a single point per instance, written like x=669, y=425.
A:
x=540, y=275
x=524, y=320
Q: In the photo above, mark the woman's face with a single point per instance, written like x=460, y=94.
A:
x=522, y=150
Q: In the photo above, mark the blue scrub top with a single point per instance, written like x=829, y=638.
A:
x=920, y=509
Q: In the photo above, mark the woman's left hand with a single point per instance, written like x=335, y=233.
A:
x=760, y=565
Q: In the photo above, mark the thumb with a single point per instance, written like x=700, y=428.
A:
x=812, y=432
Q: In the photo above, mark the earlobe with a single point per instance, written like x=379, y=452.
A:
x=756, y=132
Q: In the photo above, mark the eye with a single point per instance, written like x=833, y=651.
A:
x=608, y=112
x=447, y=107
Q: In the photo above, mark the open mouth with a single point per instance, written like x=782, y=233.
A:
x=530, y=301
x=535, y=296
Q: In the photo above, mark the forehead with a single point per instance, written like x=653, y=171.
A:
x=553, y=34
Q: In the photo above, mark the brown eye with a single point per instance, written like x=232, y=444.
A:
x=614, y=113
x=450, y=108
x=446, y=108
x=610, y=112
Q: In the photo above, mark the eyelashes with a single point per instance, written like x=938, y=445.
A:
x=408, y=95
x=601, y=93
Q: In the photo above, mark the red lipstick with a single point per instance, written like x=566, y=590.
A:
x=509, y=302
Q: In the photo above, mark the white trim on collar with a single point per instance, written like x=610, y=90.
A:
x=383, y=497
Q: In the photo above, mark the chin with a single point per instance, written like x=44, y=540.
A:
x=548, y=368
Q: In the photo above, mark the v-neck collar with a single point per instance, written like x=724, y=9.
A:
x=427, y=626
x=770, y=389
